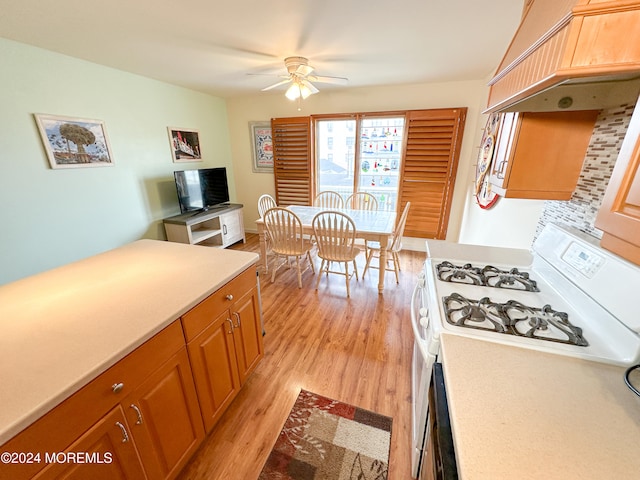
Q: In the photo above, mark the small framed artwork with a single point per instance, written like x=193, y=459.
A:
x=74, y=142
x=261, y=147
x=185, y=145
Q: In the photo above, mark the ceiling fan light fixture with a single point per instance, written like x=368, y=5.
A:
x=293, y=92
x=297, y=90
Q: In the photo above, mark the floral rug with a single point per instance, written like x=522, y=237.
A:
x=323, y=439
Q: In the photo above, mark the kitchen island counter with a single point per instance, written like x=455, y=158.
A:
x=520, y=413
x=62, y=328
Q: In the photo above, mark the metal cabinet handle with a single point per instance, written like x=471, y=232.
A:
x=501, y=167
x=224, y=229
x=230, y=326
x=237, y=315
x=138, y=413
x=117, y=387
x=229, y=297
x=125, y=435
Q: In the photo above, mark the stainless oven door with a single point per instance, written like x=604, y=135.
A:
x=421, y=367
x=438, y=459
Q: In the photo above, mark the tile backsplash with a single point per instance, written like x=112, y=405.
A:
x=581, y=210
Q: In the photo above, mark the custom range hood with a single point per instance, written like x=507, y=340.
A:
x=570, y=55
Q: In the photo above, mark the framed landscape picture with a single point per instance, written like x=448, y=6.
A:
x=185, y=145
x=74, y=142
x=261, y=146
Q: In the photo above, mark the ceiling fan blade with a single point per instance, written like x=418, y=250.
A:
x=304, y=70
x=283, y=82
x=310, y=86
x=323, y=79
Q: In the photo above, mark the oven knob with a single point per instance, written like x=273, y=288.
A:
x=424, y=322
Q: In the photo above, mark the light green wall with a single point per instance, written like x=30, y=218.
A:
x=51, y=217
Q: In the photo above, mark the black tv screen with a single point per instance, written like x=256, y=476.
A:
x=201, y=189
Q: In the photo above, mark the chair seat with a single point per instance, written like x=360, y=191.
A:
x=306, y=246
x=343, y=256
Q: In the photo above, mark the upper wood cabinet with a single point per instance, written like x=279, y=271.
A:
x=540, y=155
x=567, y=44
x=619, y=216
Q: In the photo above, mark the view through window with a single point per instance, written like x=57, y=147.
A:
x=360, y=155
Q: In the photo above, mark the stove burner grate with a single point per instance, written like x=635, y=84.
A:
x=512, y=318
x=488, y=276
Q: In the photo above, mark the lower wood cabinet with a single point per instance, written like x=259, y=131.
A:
x=165, y=418
x=145, y=416
x=227, y=345
x=111, y=447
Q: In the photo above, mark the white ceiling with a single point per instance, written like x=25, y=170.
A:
x=212, y=46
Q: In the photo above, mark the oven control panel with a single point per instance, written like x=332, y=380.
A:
x=584, y=260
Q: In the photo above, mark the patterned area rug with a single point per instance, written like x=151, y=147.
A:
x=324, y=439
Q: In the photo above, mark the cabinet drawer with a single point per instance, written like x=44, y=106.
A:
x=203, y=314
x=56, y=430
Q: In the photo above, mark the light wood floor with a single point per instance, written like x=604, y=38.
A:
x=355, y=350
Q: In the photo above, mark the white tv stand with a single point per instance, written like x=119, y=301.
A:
x=217, y=227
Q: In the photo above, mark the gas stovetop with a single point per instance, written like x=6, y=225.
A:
x=566, y=296
x=486, y=276
x=512, y=318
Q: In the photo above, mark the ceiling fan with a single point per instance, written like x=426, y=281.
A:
x=299, y=76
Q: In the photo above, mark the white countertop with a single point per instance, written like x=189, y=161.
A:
x=62, y=328
x=521, y=414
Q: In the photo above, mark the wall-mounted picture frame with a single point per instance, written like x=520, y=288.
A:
x=185, y=145
x=72, y=142
x=261, y=147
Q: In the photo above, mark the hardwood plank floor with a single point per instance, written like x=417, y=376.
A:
x=357, y=350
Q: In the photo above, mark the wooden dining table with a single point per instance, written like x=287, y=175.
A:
x=370, y=225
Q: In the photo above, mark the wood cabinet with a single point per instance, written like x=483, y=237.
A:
x=224, y=336
x=572, y=46
x=540, y=155
x=219, y=227
x=145, y=416
x=164, y=416
x=619, y=215
x=109, y=447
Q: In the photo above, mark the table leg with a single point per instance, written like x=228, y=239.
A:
x=383, y=262
x=263, y=248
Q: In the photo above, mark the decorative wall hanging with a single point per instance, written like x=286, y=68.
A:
x=261, y=147
x=185, y=145
x=74, y=142
x=484, y=196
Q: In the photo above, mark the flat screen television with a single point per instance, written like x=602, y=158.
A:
x=202, y=189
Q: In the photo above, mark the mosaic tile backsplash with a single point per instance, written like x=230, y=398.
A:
x=580, y=212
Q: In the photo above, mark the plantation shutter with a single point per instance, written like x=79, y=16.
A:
x=429, y=169
x=292, y=147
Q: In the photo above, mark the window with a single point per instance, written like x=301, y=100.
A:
x=421, y=170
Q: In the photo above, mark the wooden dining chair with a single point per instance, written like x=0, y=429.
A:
x=328, y=199
x=361, y=201
x=285, y=230
x=335, y=235
x=393, y=248
x=265, y=202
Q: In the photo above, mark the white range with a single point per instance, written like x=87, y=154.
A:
x=567, y=296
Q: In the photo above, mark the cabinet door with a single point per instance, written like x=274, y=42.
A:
x=247, y=333
x=539, y=155
x=215, y=371
x=619, y=216
x=108, y=444
x=165, y=419
x=232, y=227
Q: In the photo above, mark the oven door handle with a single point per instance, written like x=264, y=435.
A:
x=421, y=321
